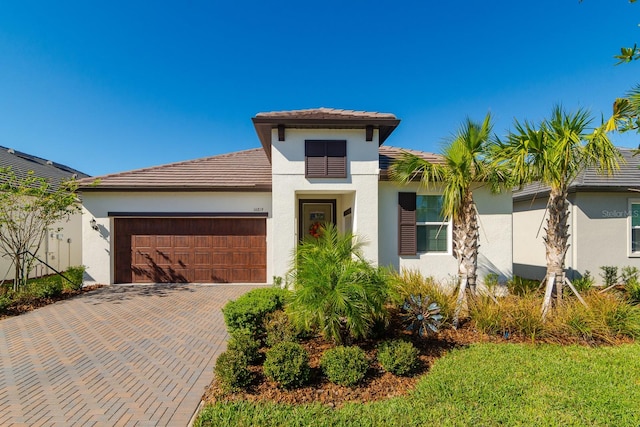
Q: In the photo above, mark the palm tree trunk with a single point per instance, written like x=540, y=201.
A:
x=557, y=235
x=465, y=249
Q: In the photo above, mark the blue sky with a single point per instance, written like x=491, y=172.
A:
x=112, y=86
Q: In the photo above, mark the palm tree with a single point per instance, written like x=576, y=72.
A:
x=626, y=111
x=463, y=169
x=554, y=153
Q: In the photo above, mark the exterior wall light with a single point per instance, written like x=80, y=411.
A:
x=94, y=224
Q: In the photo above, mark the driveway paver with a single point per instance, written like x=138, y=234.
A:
x=120, y=355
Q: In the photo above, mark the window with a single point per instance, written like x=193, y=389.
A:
x=421, y=227
x=325, y=159
x=634, y=213
x=432, y=229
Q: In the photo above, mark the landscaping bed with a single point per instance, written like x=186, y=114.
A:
x=378, y=384
x=22, y=307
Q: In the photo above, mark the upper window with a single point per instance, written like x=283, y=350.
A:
x=422, y=228
x=634, y=213
x=325, y=159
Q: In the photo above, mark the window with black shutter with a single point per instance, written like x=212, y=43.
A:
x=407, y=239
x=325, y=159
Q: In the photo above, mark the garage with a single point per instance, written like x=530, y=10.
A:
x=186, y=250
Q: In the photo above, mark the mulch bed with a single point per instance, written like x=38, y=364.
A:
x=22, y=307
x=378, y=384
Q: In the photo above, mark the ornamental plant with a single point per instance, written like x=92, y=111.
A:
x=345, y=365
x=287, y=363
x=335, y=290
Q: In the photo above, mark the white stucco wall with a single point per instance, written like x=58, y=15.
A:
x=495, y=253
x=358, y=191
x=98, y=245
x=61, y=249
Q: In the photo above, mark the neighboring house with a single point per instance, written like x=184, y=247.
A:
x=604, y=223
x=238, y=217
x=63, y=246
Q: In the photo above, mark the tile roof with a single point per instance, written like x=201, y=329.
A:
x=21, y=163
x=388, y=154
x=326, y=113
x=247, y=170
x=628, y=176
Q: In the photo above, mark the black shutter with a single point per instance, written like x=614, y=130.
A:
x=315, y=159
x=337, y=159
x=407, y=230
x=325, y=159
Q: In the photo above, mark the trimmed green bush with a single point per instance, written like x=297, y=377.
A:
x=287, y=363
x=248, y=311
x=398, y=357
x=345, y=365
x=5, y=302
x=243, y=342
x=279, y=328
x=45, y=287
x=76, y=276
x=232, y=370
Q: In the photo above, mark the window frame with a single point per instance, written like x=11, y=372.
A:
x=444, y=222
x=631, y=227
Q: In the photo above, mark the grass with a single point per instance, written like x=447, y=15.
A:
x=484, y=384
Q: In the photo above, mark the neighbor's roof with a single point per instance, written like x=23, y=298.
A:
x=21, y=163
x=247, y=170
x=322, y=118
x=627, y=177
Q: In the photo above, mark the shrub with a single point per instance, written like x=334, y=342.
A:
x=248, y=311
x=629, y=275
x=609, y=275
x=287, y=363
x=76, y=276
x=5, y=302
x=336, y=291
x=231, y=371
x=633, y=292
x=45, y=287
x=612, y=317
x=278, y=328
x=345, y=365
x=412, y=282
x=487, y=316
x=421, y=315
x=243, y=342
x=523, y=316
x=584, y=283
x=398, y=357
x=521, y=286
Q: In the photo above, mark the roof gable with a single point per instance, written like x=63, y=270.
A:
x=322, y=118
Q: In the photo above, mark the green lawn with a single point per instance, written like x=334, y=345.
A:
x=484, y=385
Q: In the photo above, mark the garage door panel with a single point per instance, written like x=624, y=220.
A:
x=202, y=241
x=152, y=250
x=164, y=241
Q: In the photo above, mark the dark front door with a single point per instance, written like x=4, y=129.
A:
x=313, y=214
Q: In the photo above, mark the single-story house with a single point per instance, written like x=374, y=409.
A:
x=238, y=217
x=63, y=246
x=604, y=222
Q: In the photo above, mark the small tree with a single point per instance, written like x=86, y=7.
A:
x=29, y=207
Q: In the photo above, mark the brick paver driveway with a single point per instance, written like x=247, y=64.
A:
x=121, y=355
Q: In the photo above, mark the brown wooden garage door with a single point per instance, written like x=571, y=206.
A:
x=183, y=250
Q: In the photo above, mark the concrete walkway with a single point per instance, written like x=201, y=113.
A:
x=120, y=355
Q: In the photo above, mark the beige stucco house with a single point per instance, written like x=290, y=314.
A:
x=237, y=217
x=604, y=223
x=63, y=245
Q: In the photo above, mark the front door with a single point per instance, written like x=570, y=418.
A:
x=314, y=213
